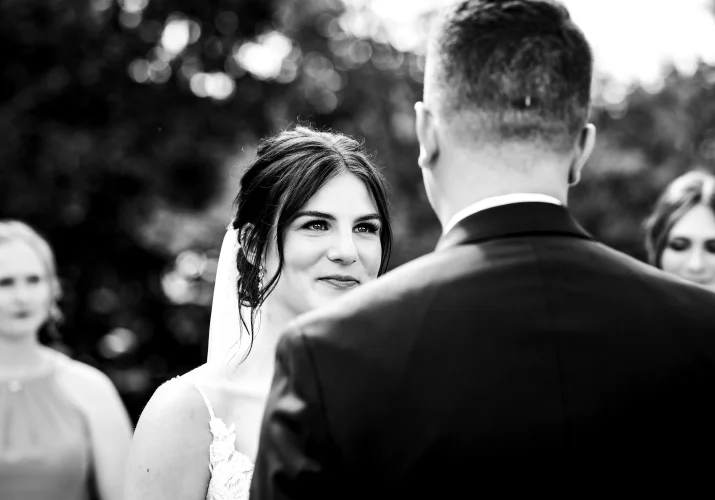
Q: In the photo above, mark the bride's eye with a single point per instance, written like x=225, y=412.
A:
x=316, y=225
x=367, y=227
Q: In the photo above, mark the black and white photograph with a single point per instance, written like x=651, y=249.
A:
x=357, y=249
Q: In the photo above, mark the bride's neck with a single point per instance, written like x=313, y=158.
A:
x=267, y=329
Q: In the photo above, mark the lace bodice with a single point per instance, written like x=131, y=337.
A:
x=231, y=471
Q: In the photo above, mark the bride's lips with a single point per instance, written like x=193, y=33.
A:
x=341, y=281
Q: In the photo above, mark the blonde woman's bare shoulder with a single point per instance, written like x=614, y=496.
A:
x=86, y=376
x=94, y=394
x=86, y=385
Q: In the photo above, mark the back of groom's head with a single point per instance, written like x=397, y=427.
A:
x=510, y=70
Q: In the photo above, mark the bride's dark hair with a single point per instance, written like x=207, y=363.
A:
x=289, y=168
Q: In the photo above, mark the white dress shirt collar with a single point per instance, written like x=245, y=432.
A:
x=496, y=201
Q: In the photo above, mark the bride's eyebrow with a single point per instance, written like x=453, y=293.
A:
x=369, y=217
x=323, y=215
x=312, y=213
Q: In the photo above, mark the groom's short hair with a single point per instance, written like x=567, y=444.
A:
x=521, y=69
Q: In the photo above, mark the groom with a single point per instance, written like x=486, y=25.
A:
x=521, y=354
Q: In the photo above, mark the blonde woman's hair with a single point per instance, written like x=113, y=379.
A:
x=696, y=187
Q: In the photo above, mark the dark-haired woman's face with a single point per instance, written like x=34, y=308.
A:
x=331, y=247
x=690, y=249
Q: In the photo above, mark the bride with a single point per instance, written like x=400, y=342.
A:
x=311, y=223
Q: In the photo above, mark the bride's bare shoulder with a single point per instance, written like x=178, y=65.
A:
x=220, y=389
x=170, y=449
x=176, y=403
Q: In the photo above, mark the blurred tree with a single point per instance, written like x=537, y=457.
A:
x=645, y=140
x=99, y=139
x=122, y=124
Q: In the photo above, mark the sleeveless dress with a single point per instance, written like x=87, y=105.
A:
x=45, y=446
x=230, y=470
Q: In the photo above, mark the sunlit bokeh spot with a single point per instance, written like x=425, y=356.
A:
x=177, y=288
x=359, y=52
x=159, y=54
x=176, y=36
x=117, y=342
x=232, y=67
x=226, y=22
x=326, y=102
x=130, y=19
x=357, y=23
x=319, y=68
x=130, y=380
x=159, y=71
x=328, y=25
x=187, y=281
x=385, y=58
x=417, y=68
x=264, y=57
x=133, y=6
x=103, y=300
x=614, y=92
x=210, y=268
x=197, y=83
x=101, y=5
x=190, y=66
x=194, y=31
x=217, y=85
x=191, y=264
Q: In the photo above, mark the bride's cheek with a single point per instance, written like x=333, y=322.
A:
x=372, y=258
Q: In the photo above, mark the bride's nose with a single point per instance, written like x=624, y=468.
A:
x=343, y=249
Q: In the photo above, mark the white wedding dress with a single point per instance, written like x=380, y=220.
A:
x=230, y=470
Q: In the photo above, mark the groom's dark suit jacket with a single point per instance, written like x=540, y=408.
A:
x=521, y=355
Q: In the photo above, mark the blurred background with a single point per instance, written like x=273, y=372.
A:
x=125, y=126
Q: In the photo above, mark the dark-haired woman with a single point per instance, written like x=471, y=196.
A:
x=680, y=233
x=311, y=224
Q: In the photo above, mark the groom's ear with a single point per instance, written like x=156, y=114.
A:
x=426, y=135
x=584, y=147
x=247, y=239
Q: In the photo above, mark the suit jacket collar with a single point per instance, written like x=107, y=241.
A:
x=516, y=219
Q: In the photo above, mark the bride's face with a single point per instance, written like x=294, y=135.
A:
x=331, y=247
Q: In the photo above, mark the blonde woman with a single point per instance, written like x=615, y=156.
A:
x=63, y=429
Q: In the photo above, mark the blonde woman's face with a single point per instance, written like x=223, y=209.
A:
x=690, y=249
x=25, y=291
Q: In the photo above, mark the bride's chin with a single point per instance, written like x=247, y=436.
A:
x=327, y=294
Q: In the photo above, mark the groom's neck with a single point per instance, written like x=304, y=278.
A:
x=466, y=179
